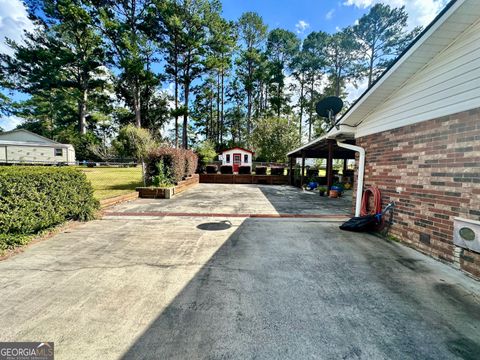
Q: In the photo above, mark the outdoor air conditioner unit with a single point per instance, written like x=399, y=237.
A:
x=466, y=234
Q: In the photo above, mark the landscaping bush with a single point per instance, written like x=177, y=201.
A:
x=261, y=170
x=191, y=162
x=36, y=198
x=163, y=177
x=179, y=162
x=244, y=170
x=212, y=169
x=226, y=169
x=277, y=170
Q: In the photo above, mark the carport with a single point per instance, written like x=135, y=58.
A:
x=321, y=148
x=338, y=145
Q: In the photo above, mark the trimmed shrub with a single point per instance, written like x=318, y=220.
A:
x=172, y=159
x=36, y=198
x=212, y=169
x=178, y=162
x=163, y=177
x=277, y=170
x=226, y=169
x=191, y=162
x=244, y=170
x=261, y=170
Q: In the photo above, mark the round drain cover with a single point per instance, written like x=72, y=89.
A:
x=215, y=226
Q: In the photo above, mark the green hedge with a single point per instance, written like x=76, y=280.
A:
x=180, y=163
x=36, y=198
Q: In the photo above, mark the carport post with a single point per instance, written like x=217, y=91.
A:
x=292, y=177
x=330, y=164
x=303, y=169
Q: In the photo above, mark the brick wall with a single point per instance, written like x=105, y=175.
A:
x=432, y=171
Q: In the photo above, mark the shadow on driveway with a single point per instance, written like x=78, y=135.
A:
x=295, y=289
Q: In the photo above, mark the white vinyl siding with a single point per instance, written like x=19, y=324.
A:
x=242, y=157
x=448, y=84
x=3, y=153
x=34, y=154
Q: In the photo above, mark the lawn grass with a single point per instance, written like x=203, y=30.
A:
x=108, y=182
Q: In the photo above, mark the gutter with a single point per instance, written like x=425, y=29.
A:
x=361, y=171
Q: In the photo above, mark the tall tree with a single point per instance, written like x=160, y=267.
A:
x=273, y=138
x=252, y=33
x=221, y=45
x=382, y=35
x=315, y=62
x=282, y=46
x=195, y=17
x=64, y=54
x=124, y=25
x=299, y=73
x=169, y=30
x=236, y=114
x=204, y=111
x=342, y=61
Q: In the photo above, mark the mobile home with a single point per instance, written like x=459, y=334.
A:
x=22, y=146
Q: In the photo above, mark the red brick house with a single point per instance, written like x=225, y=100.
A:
x=419, y=128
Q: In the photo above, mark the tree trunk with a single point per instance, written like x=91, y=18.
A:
x=222, y=103
x=239, y=124
x=302, y=85
x=370, y=70
x=310, y=115
x=185, y=117
x=279, y=104
x=212, y=131
x=138, y=115
x=219, y=130
x=249, y=115
x=176, y=104
x=337, y=85
x=82, y=113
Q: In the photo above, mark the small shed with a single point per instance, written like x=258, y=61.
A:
x=237, y=157
x=23, y=146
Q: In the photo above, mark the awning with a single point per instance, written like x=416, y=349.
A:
x=318, y=149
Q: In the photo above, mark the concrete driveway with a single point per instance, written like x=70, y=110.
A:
x=244, y=200
x=203, y=287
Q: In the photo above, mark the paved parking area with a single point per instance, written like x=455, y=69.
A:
x=203, y=287
x=244, y=199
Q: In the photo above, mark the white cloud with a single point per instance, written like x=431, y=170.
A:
x=354, y=92
x=301, y=26
x=13, y=21
x=10, y=122
x=329, y=14
x=420, y=12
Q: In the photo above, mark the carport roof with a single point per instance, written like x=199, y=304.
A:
x=318, y=149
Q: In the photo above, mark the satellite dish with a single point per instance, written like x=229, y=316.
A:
x=329, y=107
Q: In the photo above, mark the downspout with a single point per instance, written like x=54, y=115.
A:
x=361, y=170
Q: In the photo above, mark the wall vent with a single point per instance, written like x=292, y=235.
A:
x=466, y=234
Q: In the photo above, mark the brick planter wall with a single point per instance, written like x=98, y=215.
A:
x=187, y=184
x=159, y=193
x=432, y=171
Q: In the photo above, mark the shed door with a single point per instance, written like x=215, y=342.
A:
x=237, y=161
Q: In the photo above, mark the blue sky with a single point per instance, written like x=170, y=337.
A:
x=314, y=15
x=300, y=16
